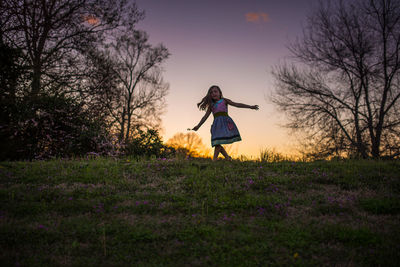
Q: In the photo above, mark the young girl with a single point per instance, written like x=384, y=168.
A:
x=223, y=129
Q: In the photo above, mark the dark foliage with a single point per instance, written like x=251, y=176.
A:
x=60, y=87
x=52, y=126
x=148, y=143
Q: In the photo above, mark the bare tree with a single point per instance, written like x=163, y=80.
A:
x=54, y=34
x=344, y=90
x=140, y=87
x=98, y=87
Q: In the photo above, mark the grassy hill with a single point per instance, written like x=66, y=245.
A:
x=105, y=212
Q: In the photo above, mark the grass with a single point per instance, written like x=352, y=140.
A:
x=104, y=212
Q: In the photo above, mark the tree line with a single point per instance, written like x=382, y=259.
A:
x=77, y=77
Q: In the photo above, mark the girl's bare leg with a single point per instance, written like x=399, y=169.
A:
x=224, y=153
x=217, y=149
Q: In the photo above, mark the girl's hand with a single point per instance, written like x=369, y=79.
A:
x=254, y=107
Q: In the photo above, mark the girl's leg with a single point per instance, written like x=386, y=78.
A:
x=217, y=149
x=224, y=153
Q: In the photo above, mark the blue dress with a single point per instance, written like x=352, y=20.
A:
x=223, y=129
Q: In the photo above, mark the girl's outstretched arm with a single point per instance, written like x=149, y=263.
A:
x=205, y=117
x=240, y=105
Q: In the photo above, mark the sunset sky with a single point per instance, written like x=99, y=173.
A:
x=230, y=43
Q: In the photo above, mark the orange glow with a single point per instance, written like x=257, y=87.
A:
x=255, y=17
x=191, y=142
x=92, y=20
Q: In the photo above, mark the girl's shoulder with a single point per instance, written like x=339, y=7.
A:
x=227, y=101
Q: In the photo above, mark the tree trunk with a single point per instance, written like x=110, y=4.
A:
x=360, y=143
x=122, y=123
x=35, y=86
x=128, y=127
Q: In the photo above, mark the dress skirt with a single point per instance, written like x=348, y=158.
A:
x=224, y=131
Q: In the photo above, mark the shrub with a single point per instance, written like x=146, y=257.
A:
x=52, y=126
x=148, y=143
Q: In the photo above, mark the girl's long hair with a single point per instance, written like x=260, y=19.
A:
x=207, y=101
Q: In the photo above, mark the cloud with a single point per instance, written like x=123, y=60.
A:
x=91, y=19
x=256, y=17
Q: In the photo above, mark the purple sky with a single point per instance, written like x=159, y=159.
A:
x=233, y=44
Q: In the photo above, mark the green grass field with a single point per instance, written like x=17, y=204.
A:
x=108, y=212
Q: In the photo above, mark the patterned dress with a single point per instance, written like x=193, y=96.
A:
x=223, y=129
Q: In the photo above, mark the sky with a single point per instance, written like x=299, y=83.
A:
x=233, y=44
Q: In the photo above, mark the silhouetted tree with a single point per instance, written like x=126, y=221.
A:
x=344, y=90
x=53, y=36
x=99, y=87
x=11, y=72
x=84, y=63
x=140, y=90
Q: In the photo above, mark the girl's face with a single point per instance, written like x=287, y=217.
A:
x=215, y=94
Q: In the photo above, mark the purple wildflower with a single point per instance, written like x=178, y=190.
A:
x=41, y=226
x=261, y=210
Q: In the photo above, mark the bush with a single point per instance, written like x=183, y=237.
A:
x=52, y=126
x=148, y=143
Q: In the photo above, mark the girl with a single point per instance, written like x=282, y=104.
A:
x=223, y=129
